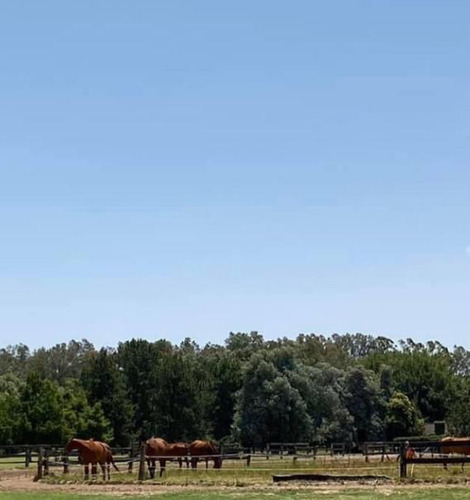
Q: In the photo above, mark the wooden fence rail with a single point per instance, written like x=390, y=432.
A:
x=382, y=448
x=57, y=458
x=424, y=452
x=420, y=447
x=295, y=449
x=24, y=454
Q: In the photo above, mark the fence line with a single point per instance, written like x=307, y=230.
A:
x=410, y=458
x=46, y=456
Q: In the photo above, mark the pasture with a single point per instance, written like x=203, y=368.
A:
x=236, y=473
x=296, y=494
x=254, y=482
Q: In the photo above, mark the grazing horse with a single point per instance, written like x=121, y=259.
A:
x=179, y=450
x=92, y=452
x=206, y=450
x=449, y=448
x=155, y=448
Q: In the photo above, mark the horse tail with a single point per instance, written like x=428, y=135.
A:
x=111, y=459
x=114, y=465
x=109, y=455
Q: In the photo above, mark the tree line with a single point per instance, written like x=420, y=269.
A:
x=249, y=390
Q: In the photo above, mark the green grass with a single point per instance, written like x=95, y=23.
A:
x=12, y=463
x=434, y=494
x=235, y=473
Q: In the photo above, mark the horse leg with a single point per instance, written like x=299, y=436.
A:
x=108, y=466
x=162, y=467
x=151, y=465
x=180, y=462
x=194, y=463
x=87, y=472
x=207, y=463
x=187, y=462
x=103, y=471
x=93, y=471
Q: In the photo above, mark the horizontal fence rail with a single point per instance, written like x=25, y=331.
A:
x=405, y=454
x=414, y=452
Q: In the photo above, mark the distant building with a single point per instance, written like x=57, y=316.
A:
x=438, y=428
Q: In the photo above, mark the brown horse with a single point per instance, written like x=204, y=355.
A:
x=92, y=452
x=179, y=450
x=155, y=448
x=205, y=450
x=450, y=448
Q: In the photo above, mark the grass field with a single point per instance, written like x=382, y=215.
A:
x=11, y=463
x=424, y=494
x=236, y=473
x=236, y=481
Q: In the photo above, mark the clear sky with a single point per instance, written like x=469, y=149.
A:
x=187, y=168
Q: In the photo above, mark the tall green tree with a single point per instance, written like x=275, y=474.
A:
x=105, y=385
x=62, y=361
x=139, y=360
x=177, y=397
x=10, y=408
x=269, y=408
x=365, y=403
x=224, y=370
x=322, y=389
x=14, y=359
x=82, y=419
x=402, y=418
x=42, y=415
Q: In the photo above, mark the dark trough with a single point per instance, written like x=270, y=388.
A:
x=327, y=477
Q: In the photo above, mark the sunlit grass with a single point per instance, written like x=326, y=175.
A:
x=402, y=494
x=261, y=471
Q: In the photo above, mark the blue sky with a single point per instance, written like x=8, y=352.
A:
x=179, y=168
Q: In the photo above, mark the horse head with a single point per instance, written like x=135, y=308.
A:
x=72, y=445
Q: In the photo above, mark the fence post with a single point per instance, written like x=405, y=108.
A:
x=66, y=463
x=248, y=460
x=403, y=449
x=39, y=471
x=46, y=462
x=142, y=462
x=282, y=451
x=131, y=457
x=267, y=451
x=27, y=456
x=366, y=451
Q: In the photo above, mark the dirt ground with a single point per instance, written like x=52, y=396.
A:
x=23, y=481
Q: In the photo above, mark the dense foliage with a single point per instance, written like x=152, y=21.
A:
x=349, y=387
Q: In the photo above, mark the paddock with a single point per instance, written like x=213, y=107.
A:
x=252, y=466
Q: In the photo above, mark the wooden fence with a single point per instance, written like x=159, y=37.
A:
x=301, y=449
x=26, y=454
x=425, y=454
x=48, y=458
x=382, y=448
